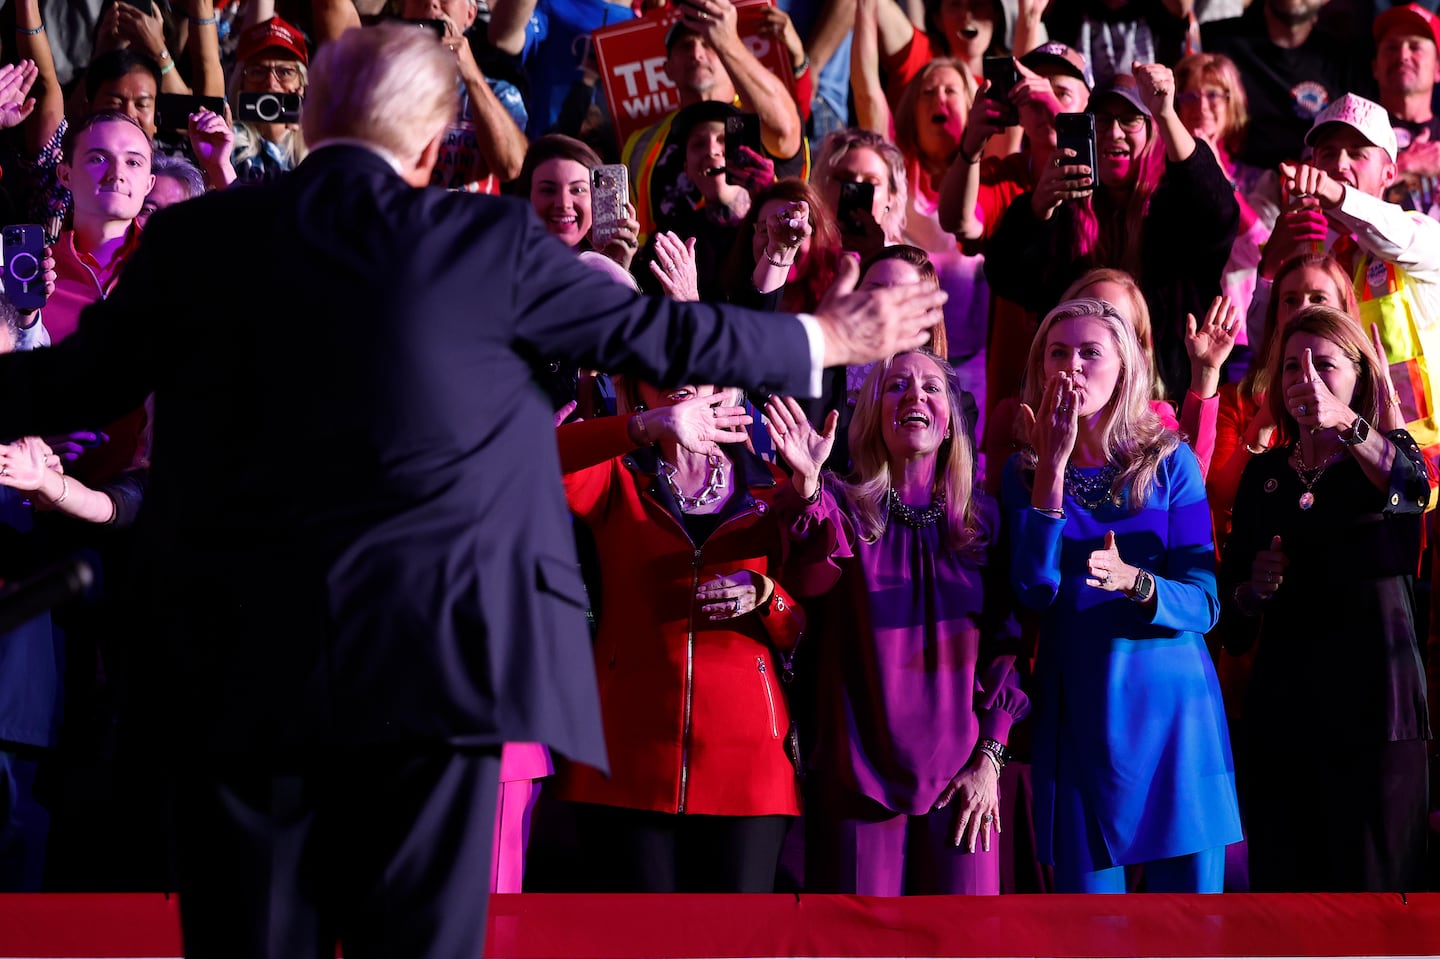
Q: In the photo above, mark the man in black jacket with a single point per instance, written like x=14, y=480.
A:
x=358, y=544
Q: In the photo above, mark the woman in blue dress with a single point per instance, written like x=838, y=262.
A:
x=1112, y=543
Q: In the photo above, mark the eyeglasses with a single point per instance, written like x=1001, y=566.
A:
x=1129, y=122
x=1212, y=97
x=260, y=71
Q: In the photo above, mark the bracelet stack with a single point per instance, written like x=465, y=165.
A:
x=995, y=751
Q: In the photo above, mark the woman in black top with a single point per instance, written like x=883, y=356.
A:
x=1319, y=568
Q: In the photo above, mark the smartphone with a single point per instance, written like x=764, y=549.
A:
x=609, y=189
x=1076, y=131
x=1003, y=75
x=22, y=247
x=146, y=7
x=740, y=131
x=857, y=208
x=267, y=107
x=172, y=110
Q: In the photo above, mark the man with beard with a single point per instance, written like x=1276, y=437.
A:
x=1291, y=70
x=1405, y=71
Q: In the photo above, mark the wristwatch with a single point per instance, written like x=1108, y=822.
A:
x=1144, y=587
x=1356, y=433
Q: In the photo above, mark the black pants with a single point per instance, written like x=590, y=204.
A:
x=1336, y=819
x=636, y=850
x=384, y=849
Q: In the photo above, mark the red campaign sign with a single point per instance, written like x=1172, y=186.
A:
x=631, y=56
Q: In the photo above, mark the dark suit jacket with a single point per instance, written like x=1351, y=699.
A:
x=355, y=521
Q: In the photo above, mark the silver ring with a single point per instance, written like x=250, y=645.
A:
x=987, y=818
x=735, y=604
x=1104, y=579
x=1302, y=409
x=4, y=471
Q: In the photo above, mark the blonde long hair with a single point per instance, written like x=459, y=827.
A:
x=1131, y=433
x=868, y=488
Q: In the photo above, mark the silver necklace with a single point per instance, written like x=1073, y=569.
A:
x=712, y=491
x=1310, y=475
x=1091, y=491
x=911, y=516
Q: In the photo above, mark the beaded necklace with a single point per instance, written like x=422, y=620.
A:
x=911, y=516
x=1091, y=491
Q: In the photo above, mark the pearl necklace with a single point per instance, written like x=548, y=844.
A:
x=712, y=491
x=911, y=516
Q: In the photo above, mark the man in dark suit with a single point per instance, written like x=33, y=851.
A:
x=359, y=549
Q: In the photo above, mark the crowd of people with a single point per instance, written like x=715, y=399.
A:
x=1063, y=600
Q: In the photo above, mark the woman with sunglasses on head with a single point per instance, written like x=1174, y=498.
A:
x=1318, y=575
x=1110, y=541
x=1157, y=206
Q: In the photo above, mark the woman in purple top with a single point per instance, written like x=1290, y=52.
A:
x=915, y=701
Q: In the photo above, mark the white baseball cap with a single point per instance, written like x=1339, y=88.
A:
x=1366, y=117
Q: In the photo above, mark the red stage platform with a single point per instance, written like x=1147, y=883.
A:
x=729, y=927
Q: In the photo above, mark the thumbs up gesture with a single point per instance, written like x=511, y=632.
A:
x=1309, y=399
x=1267, y=572
x=1108, y=572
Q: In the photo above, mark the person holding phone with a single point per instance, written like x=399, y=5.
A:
x=1157, y=205
x=486, y=146
x=272, y=57
x=1110, y=542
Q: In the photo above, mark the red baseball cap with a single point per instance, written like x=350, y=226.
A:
x=272, y=33
x=1412, y=16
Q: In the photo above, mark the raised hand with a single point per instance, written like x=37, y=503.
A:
x=1052, y=430
x=700, y=423
x=1303, y=180
x=1313, y=405
x=1392, y=417
x=16, y=81
x=674, y=266
x=1155, y=83
x=803, y=448
x=1209, y=344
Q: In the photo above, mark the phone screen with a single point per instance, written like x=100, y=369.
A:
x=1003, y=75
x=1076, y=131
x=740, y=131
x=172, y=110
x=856, y=210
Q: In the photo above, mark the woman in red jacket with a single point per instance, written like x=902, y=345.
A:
x=694, y=635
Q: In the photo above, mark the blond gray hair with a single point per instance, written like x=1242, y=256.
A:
x=391, y=85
